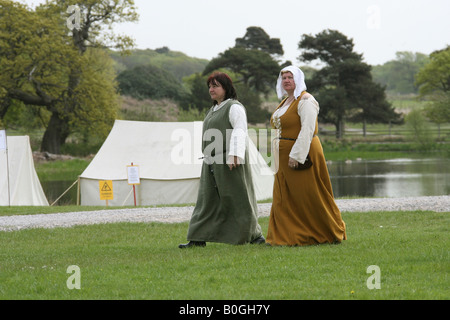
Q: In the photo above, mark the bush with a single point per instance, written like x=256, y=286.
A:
x=421, y=133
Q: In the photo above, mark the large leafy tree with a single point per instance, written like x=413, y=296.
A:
x=254, y=67
x=434, y=77
x=434, y=84
x=344, y=84
x=258, y=70
x=256, y=38
x=251, y=59
x=64, y=70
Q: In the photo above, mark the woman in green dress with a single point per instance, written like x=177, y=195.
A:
x=226, y=210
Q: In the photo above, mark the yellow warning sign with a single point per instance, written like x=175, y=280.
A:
x=106, y=189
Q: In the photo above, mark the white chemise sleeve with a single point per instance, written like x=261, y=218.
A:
x=308, y=110
x=238, y=120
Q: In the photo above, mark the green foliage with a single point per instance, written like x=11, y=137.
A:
x=199, y=97
x=416, y=122
x=192, y=114
x=97, y=18
x=434, y=82
x=45, y=64
x=34, y=54
x=252, y=102
x=329, y=46
x=253, y=69
x=439, y=111
x=61, y=170
x=177, y=63
x=148, y=109
x=20, y=115
x=435, y=76
x=148, y=81
x=96, y=95
x=399, y=75
x=353, y=148
x=344, y=86
x=257, y=69
x=257, y=38
x=82, y=148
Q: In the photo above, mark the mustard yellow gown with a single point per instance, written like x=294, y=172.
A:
x=303, y=210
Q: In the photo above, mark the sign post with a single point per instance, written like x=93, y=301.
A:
x=133, y=178
x=106, y=190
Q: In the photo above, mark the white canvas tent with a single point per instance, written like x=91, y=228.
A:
x=167, y=155
x=19, y=183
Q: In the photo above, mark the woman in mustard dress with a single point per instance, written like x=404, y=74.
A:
x=303, y=211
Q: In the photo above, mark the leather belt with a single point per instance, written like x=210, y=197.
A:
x=281, y=138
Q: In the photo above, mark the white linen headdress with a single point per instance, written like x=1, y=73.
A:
x=299, y=79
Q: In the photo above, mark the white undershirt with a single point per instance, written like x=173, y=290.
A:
x=238, y=121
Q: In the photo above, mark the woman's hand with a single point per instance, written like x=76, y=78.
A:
x=292, y=163
x=233, y=162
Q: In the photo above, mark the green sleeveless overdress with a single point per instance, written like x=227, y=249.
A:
x=226, y=210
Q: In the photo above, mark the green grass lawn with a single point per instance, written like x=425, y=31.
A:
x=142, y=261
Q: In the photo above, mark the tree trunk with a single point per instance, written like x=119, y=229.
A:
x=339, y=129
x=4, y=105
x=55, y=135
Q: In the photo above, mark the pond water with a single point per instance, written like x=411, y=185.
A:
x=391, y=178
x=377, y=178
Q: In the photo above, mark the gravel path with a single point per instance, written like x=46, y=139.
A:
x=181, y=214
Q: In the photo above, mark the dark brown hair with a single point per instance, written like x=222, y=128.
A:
x=226, y=83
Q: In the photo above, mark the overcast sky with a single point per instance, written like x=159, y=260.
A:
x=205, y=28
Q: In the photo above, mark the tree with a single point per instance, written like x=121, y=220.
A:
x=344, y=85
x=374, y=108
x=43, y=64
x=256, y=38
x=421, y=133
x=434, y=77
x=199, y=97
x=434, y=83
x=257, y=68
x=329, y=46
x=398, y=75
x=251, y=58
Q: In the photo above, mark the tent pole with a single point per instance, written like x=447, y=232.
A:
x=4, y=145
x=78, y=192
x=7, y=172
x=64, y=193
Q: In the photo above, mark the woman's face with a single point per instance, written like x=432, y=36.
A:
x=287, y=80
x=216, y=91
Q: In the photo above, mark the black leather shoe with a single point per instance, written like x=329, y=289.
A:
x=260, y=240
x=192, y=244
